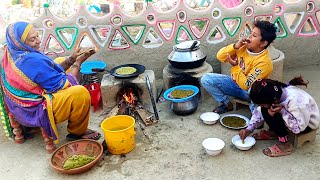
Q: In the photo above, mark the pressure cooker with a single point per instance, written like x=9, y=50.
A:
x=187, y=55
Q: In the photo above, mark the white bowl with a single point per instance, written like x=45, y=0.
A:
x=213, y=146
x=209, y=117
x=248, y=142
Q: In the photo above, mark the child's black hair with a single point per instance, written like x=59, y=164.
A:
x=267, y=91
x=268, y=31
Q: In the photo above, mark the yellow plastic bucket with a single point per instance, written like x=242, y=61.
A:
x=119, y=133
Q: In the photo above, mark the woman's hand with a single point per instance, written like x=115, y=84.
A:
x=83, y=55
x=274, y=108
x=74, y=55
x=244, y=133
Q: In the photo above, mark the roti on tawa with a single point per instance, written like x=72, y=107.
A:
x=125, y=70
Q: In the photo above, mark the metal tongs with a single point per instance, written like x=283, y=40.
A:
x=152, y=99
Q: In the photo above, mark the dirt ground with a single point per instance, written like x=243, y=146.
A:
x=174, y=151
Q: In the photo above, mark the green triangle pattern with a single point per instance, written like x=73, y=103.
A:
x=67, y=39
x=134, y=35
x=281, y=30
x=182, y=29
x=232, y=25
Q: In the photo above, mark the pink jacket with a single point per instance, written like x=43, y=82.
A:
x=299, y=111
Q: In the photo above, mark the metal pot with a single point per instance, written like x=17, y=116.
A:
x=187, y=55
x=187, y=107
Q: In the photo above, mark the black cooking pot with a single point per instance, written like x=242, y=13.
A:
x=140, y=69
x=187, y=55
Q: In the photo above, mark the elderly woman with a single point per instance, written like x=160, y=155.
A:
x=38, y=92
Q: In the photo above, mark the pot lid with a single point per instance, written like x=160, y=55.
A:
x=187, y=46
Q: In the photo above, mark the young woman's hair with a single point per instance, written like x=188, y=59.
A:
x=267, y=91
x=268, y=31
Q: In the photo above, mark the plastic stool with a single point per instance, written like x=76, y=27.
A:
x=299, y=139
x=91, y=81
x=95, y=94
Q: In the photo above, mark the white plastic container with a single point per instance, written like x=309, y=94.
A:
x=213, y=146
x=248, y=142
x=210, y=117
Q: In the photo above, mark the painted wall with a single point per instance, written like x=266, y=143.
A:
x=121, y=38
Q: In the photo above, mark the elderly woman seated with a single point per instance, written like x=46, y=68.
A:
x=38, y=91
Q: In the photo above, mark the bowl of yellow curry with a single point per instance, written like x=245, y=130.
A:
x=77, y=156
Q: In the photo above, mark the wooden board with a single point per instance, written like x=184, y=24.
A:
x=147, y=117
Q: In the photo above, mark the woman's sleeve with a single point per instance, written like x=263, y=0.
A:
x=255, y=120
x=72, y=79
x=296, y=116
x=43, y=73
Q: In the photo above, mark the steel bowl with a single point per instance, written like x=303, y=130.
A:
x=187, y=107
x=183, y=106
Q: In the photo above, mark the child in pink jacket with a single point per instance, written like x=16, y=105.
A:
x=284, y=108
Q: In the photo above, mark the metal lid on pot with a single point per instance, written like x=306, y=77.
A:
x=187, y=55
x=187, y=46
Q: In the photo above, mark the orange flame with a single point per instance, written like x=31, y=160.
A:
x=128, y=96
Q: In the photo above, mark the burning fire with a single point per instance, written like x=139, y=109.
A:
x=128, y=96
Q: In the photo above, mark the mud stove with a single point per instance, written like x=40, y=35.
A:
x=130, y=96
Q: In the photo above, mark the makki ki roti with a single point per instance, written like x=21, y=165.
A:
x=125, y=70
x=180, y=93
x=76, y=161
x=88, y=50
